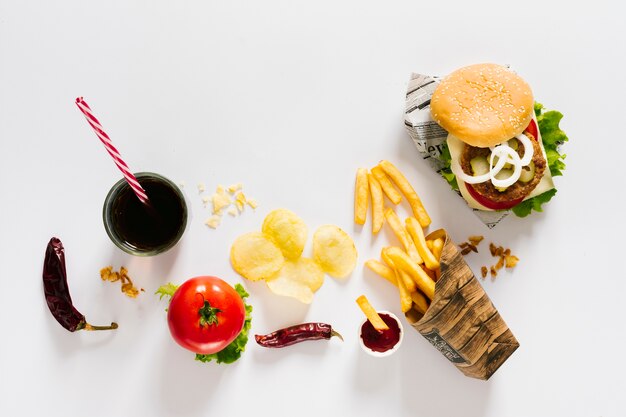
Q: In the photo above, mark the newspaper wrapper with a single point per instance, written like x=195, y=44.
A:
x=429, y=137
x=461, y=321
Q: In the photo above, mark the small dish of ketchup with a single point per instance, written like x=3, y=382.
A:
x=380, y=344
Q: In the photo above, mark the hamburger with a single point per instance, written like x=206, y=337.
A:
x=496, y=156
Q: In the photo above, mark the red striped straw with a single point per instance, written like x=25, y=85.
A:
x=108, y=145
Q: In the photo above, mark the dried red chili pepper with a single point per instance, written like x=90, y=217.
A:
x=296, y=334
x=57, y=291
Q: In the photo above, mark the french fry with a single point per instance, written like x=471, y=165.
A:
x=376, y=192
x=421, y=303
x=396, y=225
x=401, y=260
x=388, y=188
x=437, y=247
x=386, y=259
x=371, y=313
x=437, y=234
x=409, y=284
x=361, y=193
x=429, y=245
x=430, y=273
x=405, y=296
x=417, y=234
x=382, y=270
x=405, y=187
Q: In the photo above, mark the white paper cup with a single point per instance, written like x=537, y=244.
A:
x=387, y=352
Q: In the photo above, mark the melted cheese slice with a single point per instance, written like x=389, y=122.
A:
x=456, y=147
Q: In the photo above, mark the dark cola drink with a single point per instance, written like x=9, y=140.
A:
x=145, y=229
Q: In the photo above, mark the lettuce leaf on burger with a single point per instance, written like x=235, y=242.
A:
x=502, y=148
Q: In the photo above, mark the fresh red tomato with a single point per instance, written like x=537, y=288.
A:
x=205, y=314
x=501, y=205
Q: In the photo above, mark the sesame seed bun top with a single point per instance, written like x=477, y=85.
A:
x=483, y=104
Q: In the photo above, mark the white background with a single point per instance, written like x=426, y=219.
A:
x=290, y=98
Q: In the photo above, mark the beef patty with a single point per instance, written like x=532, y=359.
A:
x=515, y=191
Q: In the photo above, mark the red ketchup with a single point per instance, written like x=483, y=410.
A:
x=381, y=341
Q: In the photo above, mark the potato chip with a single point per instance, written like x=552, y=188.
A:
x=334, y=251
x=256, y=257
x=282, y=285
x=287, y=230
x=298, y=279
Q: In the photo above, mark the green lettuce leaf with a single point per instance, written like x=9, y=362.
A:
x=552, y=137
x=233, y=351
x=446, y=170
x=166, y=290
x=524, y=208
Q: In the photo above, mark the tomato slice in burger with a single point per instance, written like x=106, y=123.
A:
x=490, y=204
x=502, y=205
x=532, y=129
